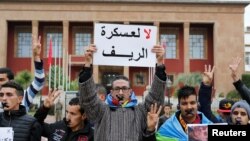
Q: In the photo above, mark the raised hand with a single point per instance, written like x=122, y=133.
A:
x=90, y=50
x=36, y=47
x=49, y=100
x=208, y=74
x=233, y=66
x=153, y=117
x=159, y=52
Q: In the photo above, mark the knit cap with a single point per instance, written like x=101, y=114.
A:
x=242, y=104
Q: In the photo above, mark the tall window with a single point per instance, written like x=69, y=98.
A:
x=247, y=58
x=197, y=43
x=55, y=33
x=23, y=41
x=169, y=38
x=82, y=38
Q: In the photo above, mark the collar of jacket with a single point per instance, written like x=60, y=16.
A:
x=11, y=113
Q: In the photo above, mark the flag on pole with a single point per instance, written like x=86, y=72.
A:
x=55, y=57
x=50, y=51
x=63, y=68
x=50, y=60
x=59, y=64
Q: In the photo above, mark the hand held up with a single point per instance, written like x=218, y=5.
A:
x=36, y=47
x=208, y=74
x=90, y=50
x=233, y=66
x=159, y=52
x=153, y=117
x=49, y=100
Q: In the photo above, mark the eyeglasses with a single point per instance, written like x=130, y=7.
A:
x=241, y=113
x=124, y=89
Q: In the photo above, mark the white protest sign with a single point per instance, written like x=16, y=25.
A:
x=7, y=134
x=124, y=45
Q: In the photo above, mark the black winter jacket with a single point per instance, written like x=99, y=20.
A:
x=243, y=90
x=59, y=131
x=25, y=127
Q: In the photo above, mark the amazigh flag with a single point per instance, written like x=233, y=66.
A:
x=50, y=52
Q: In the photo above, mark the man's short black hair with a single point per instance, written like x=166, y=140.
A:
x=8, y=71
x=185, y=92
x=15, y=85
x=120, y=77
x=168, y=104
x=76, y=101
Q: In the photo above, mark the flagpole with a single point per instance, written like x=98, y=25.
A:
x=49, y=60
x=55, y=63
x=59, y=62
x=63, y=68
x=49, y=76
x=67, y=72
x=149, y=69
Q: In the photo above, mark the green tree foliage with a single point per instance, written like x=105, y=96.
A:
x=221, y=95
x=24, y=78
x=192, y=79
x=233, y=95
x=72, y=86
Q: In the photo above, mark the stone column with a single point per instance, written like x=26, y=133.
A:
x=157, y=24
x=65, y=43
x=65, y=49
x=126, y=68
x=96, y=72
x=3, y=43
x=186, y=47
x=34, y=31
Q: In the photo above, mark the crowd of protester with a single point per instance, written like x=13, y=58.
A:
x=97, y=115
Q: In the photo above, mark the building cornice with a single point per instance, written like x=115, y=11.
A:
x=245, y=2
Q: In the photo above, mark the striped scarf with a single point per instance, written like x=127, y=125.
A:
x=115, y=103
x=184, y=124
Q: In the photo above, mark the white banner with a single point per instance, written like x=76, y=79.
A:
x=7, y=134
x=124, y=45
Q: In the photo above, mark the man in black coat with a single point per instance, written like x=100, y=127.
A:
x=25, y=127
x=74, y=127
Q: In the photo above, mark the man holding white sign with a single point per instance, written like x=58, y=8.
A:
x=120, y=117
